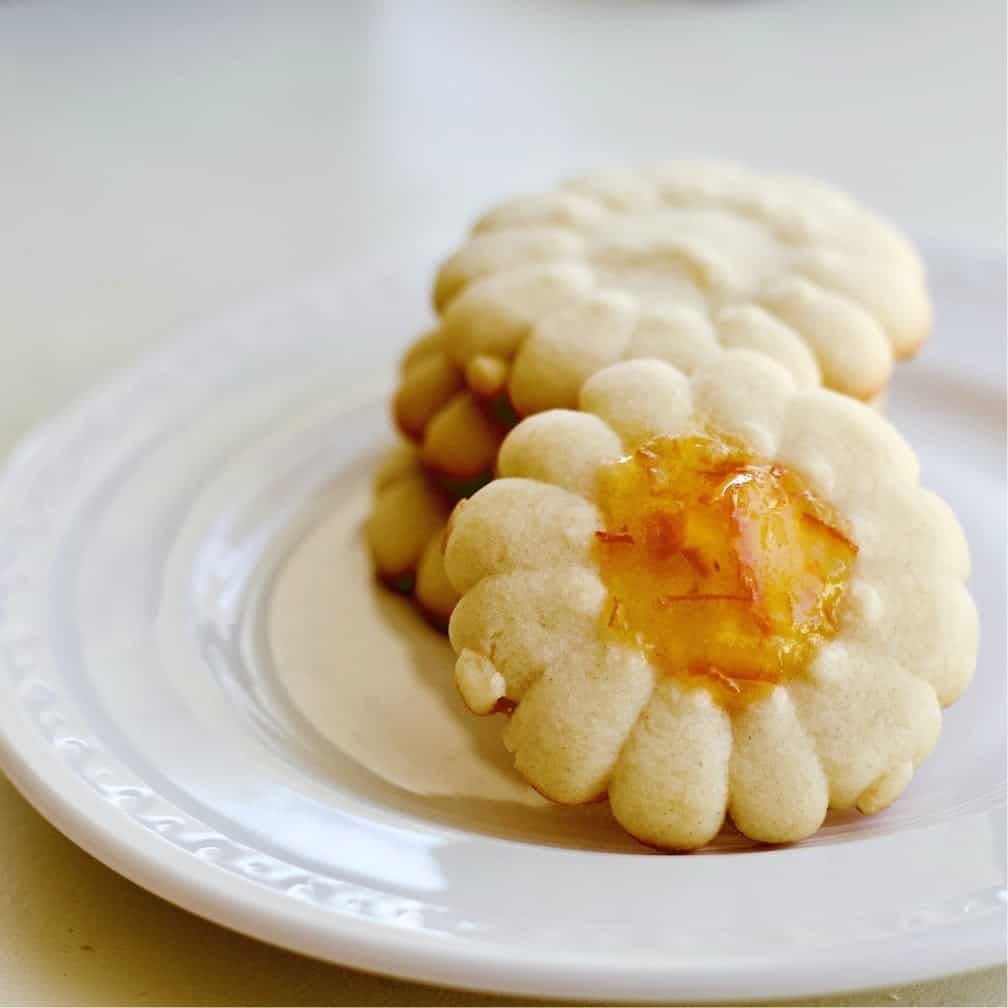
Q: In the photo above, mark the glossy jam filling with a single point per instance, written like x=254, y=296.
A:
x=725, y=569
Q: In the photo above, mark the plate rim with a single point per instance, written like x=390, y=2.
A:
x=238, y=904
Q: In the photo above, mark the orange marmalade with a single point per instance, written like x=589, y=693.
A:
x=725, y=570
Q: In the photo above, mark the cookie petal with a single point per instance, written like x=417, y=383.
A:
x=518, y=524
x=433, y=590
x=867, y=716
x=394, y=465
x=670, y=786
x=745, y=395
x=929, y=540
x=844, y=448
x=492, y=316
x=462, y=439
x=854, y=354
x=561, y=447
x=884, y=791
x=406, y=514
x=749, y=327
x=526, y=621
x=639, y=400
x=682, y=337
x=894, y=296
x=567, y=732
x=566, y=347
x=779, y=792
x=931, y=622
x=430, y=382
x=429, y=343
x=498, y=251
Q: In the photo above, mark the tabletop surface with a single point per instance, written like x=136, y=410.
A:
x=164, y=161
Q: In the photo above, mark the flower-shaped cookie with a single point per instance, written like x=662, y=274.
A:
x=672, y=262
x=711, y=594
x=405, y=533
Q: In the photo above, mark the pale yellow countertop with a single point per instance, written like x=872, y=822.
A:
x=163, y=161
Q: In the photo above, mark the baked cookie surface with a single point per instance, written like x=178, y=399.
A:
x=405, y=532
x=457, y=431
x=826, y=617
x=673, y=262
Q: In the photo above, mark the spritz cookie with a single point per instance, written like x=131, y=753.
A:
x=672, y=262
x=711, y=594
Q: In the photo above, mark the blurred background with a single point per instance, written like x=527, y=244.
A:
x=162, y=161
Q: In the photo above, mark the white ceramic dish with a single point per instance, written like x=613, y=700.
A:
x=204, y=689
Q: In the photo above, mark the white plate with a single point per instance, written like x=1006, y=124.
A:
x=205, y=690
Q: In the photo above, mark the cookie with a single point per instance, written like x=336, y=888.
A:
x=711, y=594
x=673, y=262
x=458, y=432
x=405, y=533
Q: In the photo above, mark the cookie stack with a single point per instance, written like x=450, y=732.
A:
x=716, y=333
